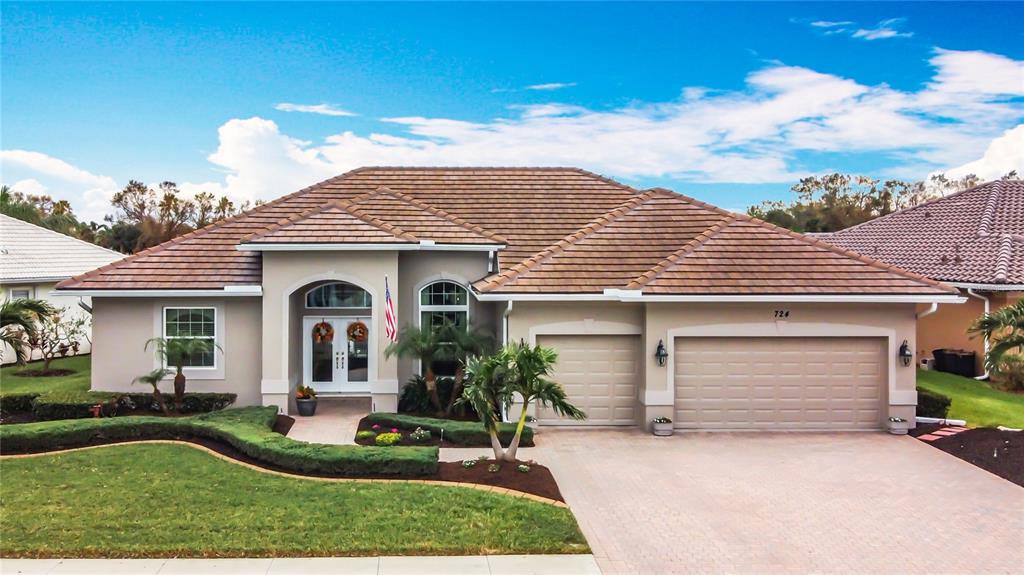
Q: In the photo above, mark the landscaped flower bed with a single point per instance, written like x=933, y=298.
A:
x=33, y=406
x=994, y=450
x=442, y=432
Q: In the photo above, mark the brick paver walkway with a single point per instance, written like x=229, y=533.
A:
x=782, y=503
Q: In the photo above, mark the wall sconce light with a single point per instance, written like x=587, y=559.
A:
x=661, y=354
x=905, y=354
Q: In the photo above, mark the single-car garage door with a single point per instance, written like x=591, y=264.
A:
x=600, y=374
x=780, y=382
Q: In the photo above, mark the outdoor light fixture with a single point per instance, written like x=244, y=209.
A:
x=905, y=354
x=661, y=353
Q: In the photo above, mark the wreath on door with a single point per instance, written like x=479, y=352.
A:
x=323, y=332
x=358, y=332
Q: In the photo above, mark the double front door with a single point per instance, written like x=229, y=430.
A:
x=336, y=353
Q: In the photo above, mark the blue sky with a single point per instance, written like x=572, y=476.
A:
x=728, y=102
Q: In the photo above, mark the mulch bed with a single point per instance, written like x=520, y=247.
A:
x=435, y=438
x=998, y=452
x=43, y=372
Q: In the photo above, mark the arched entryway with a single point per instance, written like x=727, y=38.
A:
x=336, y=335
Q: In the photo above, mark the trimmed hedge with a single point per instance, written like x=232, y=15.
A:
x=467, y=433
x=78, y=404
x=249, y=430
x=931, y=404
x=17, y=402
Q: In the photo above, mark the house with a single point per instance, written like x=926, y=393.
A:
x=34, y=259
x=658, y=304
x=972, y=240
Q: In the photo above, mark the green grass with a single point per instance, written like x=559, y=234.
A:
x=78, y=381
x=977, y=402
x=172, y=500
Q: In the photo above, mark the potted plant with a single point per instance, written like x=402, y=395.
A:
x=305, y=400
x=898, y=426
x=661, y=426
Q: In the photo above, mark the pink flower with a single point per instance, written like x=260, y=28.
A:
x=394, y=430
x=375, y=427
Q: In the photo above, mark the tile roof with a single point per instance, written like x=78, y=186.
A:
x=974, y=236
x=565, y=230
x=29, y=252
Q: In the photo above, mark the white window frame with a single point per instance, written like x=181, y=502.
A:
x=13, y=297
x=215, y=338
x=305, y=296
x=429, y=308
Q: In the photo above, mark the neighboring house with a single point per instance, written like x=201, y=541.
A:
x=34, y=259
x=758, y=327
x=973, y=240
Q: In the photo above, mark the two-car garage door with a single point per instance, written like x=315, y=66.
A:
x=780, y=382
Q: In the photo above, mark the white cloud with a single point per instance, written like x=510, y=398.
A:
x=1003, y=155
x=29, y=187
x=88, y=193
x=322, y=109
x=550, y=87
x=883, y=30
x=830, y=24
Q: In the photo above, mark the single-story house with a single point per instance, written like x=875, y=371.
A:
x=658, y=304
x=972, y=240
x=34, y=259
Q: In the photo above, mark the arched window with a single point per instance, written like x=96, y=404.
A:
x=440, y=302
x=443, y=301
x=338, y=295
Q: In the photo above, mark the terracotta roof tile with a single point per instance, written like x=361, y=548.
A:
x=566, y=230
x=974, y=236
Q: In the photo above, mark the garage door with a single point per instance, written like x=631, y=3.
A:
x=780, y=383
x=600, y=374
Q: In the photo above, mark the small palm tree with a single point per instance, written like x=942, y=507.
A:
x=517, y=369
x=176, y=352
x=460, y=344
x=1004, y=330
x=425, y=345
x=153, y=380
x=19, y=324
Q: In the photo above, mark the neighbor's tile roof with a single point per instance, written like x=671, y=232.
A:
x=974, y=236
x=31, y=253
x=566, y=230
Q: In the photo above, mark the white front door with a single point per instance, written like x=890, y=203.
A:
x=334, y=362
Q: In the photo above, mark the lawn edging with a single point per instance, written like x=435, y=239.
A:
x=248, y=430
x=464, y=433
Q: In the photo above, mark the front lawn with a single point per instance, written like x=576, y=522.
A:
x=174, y=501
x=78, y=381
x=977, y=402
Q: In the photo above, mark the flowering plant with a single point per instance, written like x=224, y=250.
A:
x=523, y=468
x=897, y=419
x=388, y=439
x=467, y=463
x=375, y=426
x=366, y=434
x=494, y=468
x=661, y=420
x=420, y=435
x=305, y=392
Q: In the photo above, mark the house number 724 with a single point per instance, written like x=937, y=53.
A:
x=781, y=313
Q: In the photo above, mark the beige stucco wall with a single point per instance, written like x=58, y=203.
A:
x=121, y=327
x=285, y=273
x=43, y=291
x=947, y=327
x=419, y=268
x=666, y=321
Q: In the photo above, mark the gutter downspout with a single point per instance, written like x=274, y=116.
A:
x=83, y=305
x=504, y=341
x=931, y=309
x=970, y=292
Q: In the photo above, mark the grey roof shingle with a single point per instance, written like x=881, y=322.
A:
x=31, y=253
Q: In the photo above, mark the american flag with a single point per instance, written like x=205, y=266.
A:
x=390, y=327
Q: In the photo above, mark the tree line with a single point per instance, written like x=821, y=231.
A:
x=142, y=216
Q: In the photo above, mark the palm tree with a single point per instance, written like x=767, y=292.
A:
x=1004, y=330
x=19, y=323
x=462, y=343
x=153, y=379
x=518, y=369
x=176, y=352
x=425, y=345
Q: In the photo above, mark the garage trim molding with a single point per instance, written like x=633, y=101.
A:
x=779, y=329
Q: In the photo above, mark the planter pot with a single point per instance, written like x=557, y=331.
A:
x=662, y=429
x=899, y=427
x=306, y=407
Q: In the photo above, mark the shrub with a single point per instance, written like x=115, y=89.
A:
x=388, y=439
x=78, y=404
x=366, y=434
x=523, y=468
x=249, y=430
x=420, y=435
x=415, y=399
x=930, y=404
x=467, y=433
x=1010, y=372
x=16, y=402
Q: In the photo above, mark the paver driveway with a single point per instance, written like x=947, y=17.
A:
x=783, y=503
